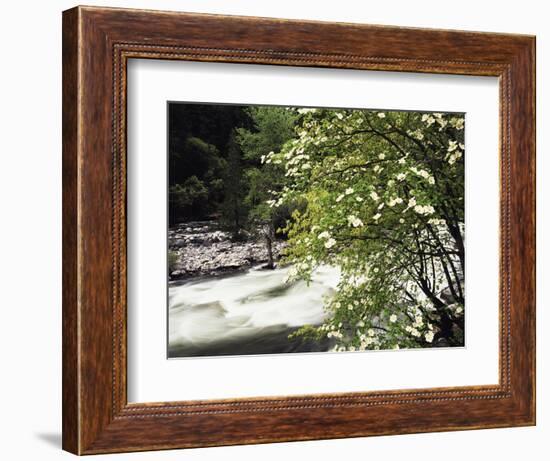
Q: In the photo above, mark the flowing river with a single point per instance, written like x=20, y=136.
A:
x=246, y=313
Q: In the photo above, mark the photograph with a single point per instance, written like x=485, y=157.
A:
x=310, y=229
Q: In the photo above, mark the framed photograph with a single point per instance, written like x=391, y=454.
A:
x=284, y=230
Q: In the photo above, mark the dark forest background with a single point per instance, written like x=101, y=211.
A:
x=201, y=137
x=218, y=168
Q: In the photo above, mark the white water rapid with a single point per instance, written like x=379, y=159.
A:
x=246, y=313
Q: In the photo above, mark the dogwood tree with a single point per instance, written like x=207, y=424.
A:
x=385, y=204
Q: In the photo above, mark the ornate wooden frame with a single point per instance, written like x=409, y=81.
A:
x=97, y=43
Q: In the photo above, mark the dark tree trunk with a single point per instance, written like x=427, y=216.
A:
x=269, y=245
x=444, y=322
x=445, y=329
x=236, y=222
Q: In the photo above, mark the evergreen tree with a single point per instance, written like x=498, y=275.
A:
x=234, y=209
x=273, y=127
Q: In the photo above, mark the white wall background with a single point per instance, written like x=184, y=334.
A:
x=30, y=227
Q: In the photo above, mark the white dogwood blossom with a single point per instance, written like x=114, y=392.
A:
x=330, y=243
x=424, y=209
x=354, y=221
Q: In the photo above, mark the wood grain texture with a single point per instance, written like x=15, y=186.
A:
x=70, y=383
x=97, y=43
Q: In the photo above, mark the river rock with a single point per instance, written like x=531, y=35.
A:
x=202, y=248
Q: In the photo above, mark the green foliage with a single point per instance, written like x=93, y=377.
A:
x=190, y=195
x=172, y=261
x=198, y=194
x=385, y=204
x=234, y=209
x=307, y=332
x=273, y=126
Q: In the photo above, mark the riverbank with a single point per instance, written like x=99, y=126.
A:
x=201, y=248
